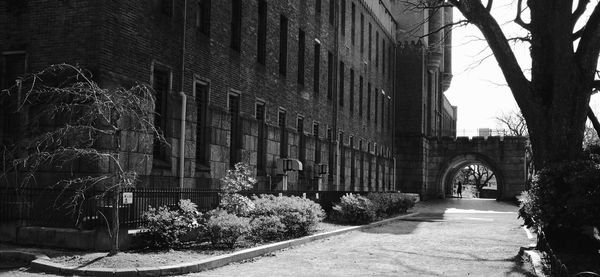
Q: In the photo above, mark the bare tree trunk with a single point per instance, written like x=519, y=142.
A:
x=594, y=120
x=114, y=249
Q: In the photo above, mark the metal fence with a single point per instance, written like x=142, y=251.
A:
x=46, y=207
x=50, y=207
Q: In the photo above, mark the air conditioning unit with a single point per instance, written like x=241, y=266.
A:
x=286, y=164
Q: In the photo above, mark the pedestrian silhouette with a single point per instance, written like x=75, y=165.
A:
x=459, y=190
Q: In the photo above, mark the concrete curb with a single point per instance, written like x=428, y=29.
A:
x=536, y=261
x=43, y=263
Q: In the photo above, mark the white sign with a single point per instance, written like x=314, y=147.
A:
x=127, y=197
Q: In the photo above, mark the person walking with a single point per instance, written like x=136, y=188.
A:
x=459, y=190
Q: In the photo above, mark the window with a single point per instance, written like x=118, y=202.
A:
x=202, y=130
x=283, y=32
x=362, y=163
x=375, y=108
x=261, y=159
x=376, y=49
x=342, y=158
x=329, y=75
x=203, y=17
x=282, y=135
x=352, y=164
x=351, y=91
x=301, y=52
x=382, y=110
x=360, y=97
x=14, y=65
x=166, y=7
x=370, y=175
x=383, y=57
x=390, y=114
x=235, y=143
x=343, y=17
x=370, y=42
x=236, y=24
x=391, y=57
x=331, y=151
x=317, y=67
x=353, y=26
x=368, y=101
x=331, y=12
x=317, y=6
x=342, y=79
x=317, y=143
x=262, y=32
x=162, y=85
x=302, y=139
x=362, y=33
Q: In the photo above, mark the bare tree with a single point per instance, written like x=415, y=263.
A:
x=555, y=98
x=514, y=122
x=477, y=175
x=70, y=121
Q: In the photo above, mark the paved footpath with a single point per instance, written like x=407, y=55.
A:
x=466, y=237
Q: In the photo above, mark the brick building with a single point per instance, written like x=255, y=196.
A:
x=423, y=113
x=320, y=81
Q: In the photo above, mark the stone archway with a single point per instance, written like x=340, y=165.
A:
x=450, y=169
x=504, y=155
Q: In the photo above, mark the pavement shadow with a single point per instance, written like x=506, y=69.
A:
x=405, y=225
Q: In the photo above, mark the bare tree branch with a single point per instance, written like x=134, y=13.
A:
x=581, y=5
x=519, y=19
x=488, y=7
x=594, y=120
x=589, y=45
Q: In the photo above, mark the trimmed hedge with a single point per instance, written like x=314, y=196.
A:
x=358, y=209
x=299, y=215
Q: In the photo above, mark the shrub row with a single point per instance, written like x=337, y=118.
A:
x=354, y=208
x=262, y=218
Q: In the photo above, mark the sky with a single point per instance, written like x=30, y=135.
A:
x=478, y=87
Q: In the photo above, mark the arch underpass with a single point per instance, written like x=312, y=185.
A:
x=505, y=156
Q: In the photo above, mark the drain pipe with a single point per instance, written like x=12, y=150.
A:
x=183, y=102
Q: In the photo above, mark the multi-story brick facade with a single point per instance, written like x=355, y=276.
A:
x=261, y=80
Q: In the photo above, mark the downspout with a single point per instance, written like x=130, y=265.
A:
x=335, y=133
x=183, y=102
x=394, y=96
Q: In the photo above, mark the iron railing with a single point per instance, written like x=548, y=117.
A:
x=50, y=207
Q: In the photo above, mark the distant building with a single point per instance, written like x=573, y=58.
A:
x=484, y=132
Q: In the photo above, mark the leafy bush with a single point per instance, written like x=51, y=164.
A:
x=266, y=228
x=236, y=180
x=390, y=203
x=166, y=226
x=237, y=204
x=354, y=208
x=225, y=228
x=298, y=215
x=565, y=195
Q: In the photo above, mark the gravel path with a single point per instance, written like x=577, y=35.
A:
x=447, y=238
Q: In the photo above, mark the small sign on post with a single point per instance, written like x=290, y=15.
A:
x=127, y=198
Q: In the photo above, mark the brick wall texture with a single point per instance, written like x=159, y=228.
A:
x=125, y=42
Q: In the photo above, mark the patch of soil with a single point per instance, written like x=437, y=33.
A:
x=146, y=258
